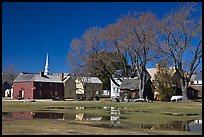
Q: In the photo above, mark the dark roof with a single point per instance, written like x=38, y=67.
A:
x=199, y=76
x=24, y=77
x=196, y=87
x=193, y=77
x=130, y=83
x=5, y=85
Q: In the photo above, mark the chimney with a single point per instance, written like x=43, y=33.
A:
x=62, y=76
x=41, y=74
x=185, y=74
x=157, y=67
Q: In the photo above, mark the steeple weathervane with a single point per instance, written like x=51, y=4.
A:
x=46, y=66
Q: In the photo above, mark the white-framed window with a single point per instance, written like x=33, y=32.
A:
x=115, y=90
x=97, y=92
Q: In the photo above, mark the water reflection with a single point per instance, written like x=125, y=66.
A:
x=113, y=120
x=192, y=126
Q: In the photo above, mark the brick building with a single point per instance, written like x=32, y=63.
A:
x=37, y=86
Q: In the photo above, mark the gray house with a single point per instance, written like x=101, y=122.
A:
x=129, y=89
x=195, y=87
x=129, y=85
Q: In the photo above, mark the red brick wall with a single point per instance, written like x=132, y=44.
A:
x=48, y=90
x=32, y=90
x=27, y=87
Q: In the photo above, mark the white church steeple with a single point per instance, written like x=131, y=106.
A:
x=46, y=66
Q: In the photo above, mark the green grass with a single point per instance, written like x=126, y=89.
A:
x=155, y=114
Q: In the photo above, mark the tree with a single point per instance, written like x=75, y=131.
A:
x=89, y=55
x=9, y=74
x=163, y=83
x=126, y=45
x=181, y=41
x=139, y=38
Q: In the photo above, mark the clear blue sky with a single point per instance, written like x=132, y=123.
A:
x=31, y=29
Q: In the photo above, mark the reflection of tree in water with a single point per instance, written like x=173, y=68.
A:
x=173, y=125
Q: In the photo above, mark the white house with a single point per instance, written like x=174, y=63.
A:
x=198, y=79
x=8, y=93
x=115, y=90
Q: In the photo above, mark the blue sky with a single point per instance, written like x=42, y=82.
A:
x=31, y=29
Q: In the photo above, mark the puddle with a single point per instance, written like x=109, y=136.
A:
x=74, y=108
x=179, y=114
x=112, y=120
x=191, y=126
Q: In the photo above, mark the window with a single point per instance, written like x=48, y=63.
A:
x=115, y=90
x=40, y=93
x=97, y=92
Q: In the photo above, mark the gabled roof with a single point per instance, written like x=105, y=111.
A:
x=193, y=77
x=24, y=77
x=153, y=71
x=130, y=83
x=199, y=76
x=90, y=79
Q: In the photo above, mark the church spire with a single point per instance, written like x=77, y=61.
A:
x=46, y=66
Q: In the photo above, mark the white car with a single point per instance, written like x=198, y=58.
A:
x=176, y=98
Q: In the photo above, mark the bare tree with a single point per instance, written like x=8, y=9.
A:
x=91, y=56
x=181, y=41
x=139, y=39
x=9, y=74
x=127, y=43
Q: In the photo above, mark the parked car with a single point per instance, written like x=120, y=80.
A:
x=176, y=98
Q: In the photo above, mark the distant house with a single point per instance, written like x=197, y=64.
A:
x=119, y=78
x=195, y=84
x=88, y=87
x=69, y=87
x=115, y=90
x=129, y=89
x=198, y=79
x=5, y=86
x=195, y=87
x=37, y=86
x=106, y=93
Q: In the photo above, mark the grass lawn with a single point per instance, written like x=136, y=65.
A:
x=134, y=113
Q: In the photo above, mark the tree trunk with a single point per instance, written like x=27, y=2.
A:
x=184, y=87
x=141, y=89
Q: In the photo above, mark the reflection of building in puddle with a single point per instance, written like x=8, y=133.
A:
x=35, y=115
x=82, y=116
x=115, y=111
x=79, y=107
x=7, y=114
x=79, y=116
x=195, y=125
x=22, y=115
x=192, y=126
